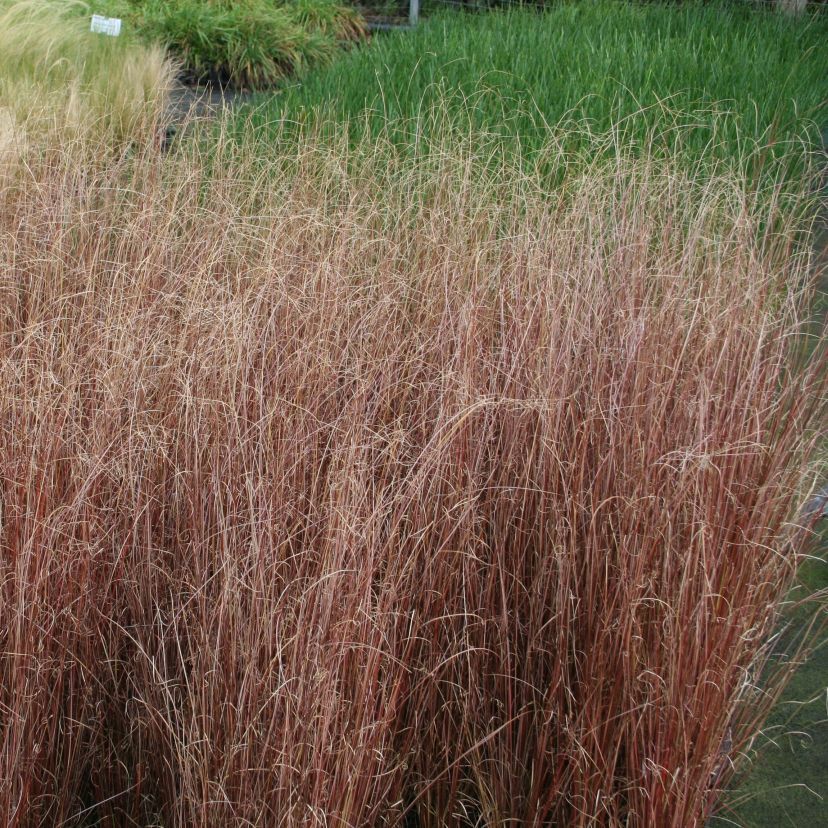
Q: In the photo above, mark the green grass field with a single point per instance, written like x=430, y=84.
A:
x=713, y=81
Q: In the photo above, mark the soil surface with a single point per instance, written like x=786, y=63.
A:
x=188, y=101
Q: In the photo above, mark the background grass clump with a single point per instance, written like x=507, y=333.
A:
x=250, y=44
x=247, y=43
x=59, y=81
x=711, y=80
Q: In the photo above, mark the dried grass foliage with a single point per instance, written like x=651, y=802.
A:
x=357, y=491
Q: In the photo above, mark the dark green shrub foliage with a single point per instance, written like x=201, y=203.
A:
x=247, y=43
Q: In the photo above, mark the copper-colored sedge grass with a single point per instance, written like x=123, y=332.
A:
x=346, y=490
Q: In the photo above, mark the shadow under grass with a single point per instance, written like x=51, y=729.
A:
x=787, y=782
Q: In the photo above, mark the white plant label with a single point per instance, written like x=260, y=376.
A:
x=106, y=25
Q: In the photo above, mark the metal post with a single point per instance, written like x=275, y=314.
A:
x=413, y=12
x=792, y=6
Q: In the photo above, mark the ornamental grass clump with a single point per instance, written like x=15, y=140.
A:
x=249, y=44
x=60, y=82
x=352, y=487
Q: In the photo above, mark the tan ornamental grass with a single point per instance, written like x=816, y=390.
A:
x=349, y=488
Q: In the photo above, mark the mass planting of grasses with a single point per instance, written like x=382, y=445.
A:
x=389, y=476
x=364, y=487
x=725, y=76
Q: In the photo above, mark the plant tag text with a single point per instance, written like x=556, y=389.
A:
x=106, y=25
